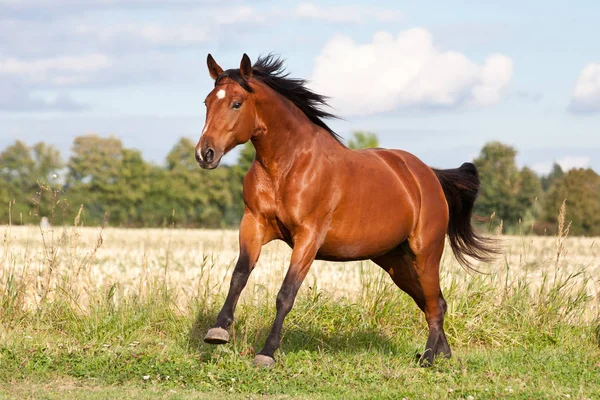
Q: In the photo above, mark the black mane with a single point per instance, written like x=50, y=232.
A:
x=269, y=69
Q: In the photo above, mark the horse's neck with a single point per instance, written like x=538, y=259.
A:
x=278, y=149
x=287, y=135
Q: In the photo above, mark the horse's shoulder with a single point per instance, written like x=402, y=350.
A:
x=257, y=191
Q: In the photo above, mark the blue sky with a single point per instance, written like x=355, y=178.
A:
x=438, y=79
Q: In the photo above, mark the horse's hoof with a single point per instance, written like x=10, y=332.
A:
x=426, y=360
x=217, y=336
x=263, y=361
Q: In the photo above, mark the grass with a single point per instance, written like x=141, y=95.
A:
x=331, y=348
x=90, y=313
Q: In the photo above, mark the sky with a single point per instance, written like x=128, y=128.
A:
x=438, y=79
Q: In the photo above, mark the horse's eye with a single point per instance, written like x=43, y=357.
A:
x=236, y=105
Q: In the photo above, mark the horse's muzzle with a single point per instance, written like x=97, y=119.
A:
x=207, y=158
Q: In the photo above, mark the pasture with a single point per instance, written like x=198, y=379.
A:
x=107, y=313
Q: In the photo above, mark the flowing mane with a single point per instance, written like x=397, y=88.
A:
x=270, y=70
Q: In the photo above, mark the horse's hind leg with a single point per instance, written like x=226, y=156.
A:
x=428, y=248
x=399, y=263
x=418, y=276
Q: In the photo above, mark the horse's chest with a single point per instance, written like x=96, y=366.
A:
x=287, y=207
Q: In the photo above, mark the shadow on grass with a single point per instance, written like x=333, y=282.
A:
x=202, y=323
x=356, y=341
x=294, y=339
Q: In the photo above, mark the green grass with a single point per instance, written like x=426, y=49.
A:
x=507, y=343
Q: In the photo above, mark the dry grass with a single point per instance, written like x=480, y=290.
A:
x=85, y=261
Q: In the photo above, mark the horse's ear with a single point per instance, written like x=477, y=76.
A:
x=246, y=67
x=213, y=67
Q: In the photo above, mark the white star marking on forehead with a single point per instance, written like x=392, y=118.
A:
x=220, y=94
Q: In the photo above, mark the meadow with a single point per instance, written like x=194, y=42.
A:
x=116, y=313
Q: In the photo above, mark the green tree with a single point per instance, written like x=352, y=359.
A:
x=17, y=165
x=156, y=209
x=95, y=161
x=363, y=140
x=132, y=188
x=26, y=173
x=5, y=198
x=199, y=197
x=246, y=156
x=505, y=191
x=47, y=161
x=528, y=197
x=93, y=174
x=556, y=174
x=581, y=190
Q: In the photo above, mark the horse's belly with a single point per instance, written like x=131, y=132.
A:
x=367, y=233
x=338, y=248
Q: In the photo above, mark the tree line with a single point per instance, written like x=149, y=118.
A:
x=116, y=185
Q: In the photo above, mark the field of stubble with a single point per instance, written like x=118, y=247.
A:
x=121, y=313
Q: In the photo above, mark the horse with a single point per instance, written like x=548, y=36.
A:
x=328, y=202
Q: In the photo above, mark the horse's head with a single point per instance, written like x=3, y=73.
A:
x=230, y=113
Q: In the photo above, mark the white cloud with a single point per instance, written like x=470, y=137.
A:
x=586, y=94
x=566, y=163
x=60, y=71
x=345, y=13
x=405, y=70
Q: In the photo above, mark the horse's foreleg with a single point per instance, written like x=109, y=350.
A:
x=252, y=237
x=305, y=250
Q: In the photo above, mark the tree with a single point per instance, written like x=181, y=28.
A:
x=246, y=157
x=554, y=175
x=505, y=191
x=181, y=157
x=106, y=177
x=528, y=197
x=95, y=161
x=132, y=187
x=581, y=190
x=47, y=161
x=26, y=172
x=199, y=197
x=17, y=166
x=363, y=140
x=5, y=198
x=93, y=173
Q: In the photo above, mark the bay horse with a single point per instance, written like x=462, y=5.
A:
x=329, y=202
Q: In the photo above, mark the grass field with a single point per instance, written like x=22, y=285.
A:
x=114, y=313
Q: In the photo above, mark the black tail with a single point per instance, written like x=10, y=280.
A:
x=460, y=187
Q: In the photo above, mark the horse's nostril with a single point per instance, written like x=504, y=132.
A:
x=209, y=155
